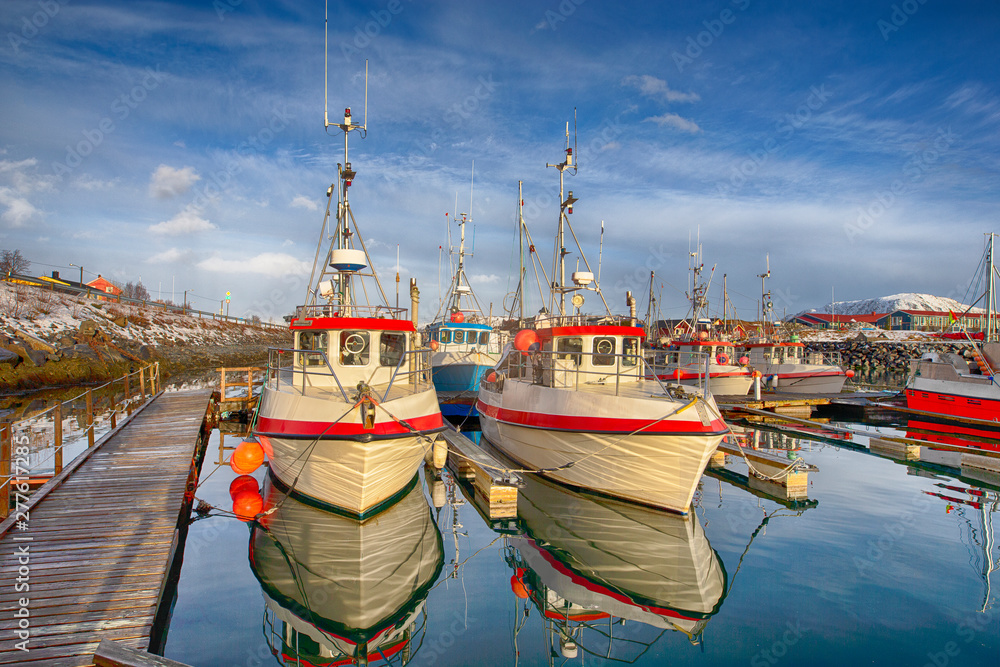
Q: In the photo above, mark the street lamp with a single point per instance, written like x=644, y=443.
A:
x=81, y=272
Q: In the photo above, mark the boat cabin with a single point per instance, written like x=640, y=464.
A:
x=775, y=353
x=357, y=349
x=694, y=352
x=575, y=355
x=463, y=337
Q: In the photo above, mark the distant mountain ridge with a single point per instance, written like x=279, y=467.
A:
x=888, y=304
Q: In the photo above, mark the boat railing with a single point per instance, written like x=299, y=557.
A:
x=297, y=368
x=569, y=370
x=331, y=310
x=823, y=357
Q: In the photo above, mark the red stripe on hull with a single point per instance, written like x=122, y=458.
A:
x=600, y=424
x=953, y=405
x=288, y=427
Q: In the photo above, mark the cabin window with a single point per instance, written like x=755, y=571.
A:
x=445, y=336
x=391, y=347
x=570, y=348
x=604, y=351
x=312, y=340
x=484, y=338
x=630, y=350
x=354, y=348
x=460, y=336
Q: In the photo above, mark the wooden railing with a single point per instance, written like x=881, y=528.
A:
x=16, y=472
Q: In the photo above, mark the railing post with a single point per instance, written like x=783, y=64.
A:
x=90, y=417
x=222, y=384
x=142, y=383
x=58, y=436
x=5, y=461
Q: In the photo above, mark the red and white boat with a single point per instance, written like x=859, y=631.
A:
x=786, y=366
x=347, y=416
x=684, y=360
x=942, y=383
x=575, y=399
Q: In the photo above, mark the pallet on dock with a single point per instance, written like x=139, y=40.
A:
x=489, y=477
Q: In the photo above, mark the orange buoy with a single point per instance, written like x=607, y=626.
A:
x=242, y=483
x=850, y=373
x=524, y=339
x=247, y=457
x=434, y=345
x=744, y=360
x=458, y=317
x=492, y=377
x=517, y=586
x=247, y=504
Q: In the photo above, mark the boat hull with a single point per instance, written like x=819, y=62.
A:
x=954, y=399
x=319, y=448
x=612, y=445
x=456, y=378
x=803, y=380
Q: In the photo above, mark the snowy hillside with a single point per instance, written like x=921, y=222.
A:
x=888, y=304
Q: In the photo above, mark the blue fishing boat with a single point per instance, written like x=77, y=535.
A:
x=463, y=343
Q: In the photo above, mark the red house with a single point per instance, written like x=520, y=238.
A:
x=102, y=285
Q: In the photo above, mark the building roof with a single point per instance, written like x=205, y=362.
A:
x=104, y=285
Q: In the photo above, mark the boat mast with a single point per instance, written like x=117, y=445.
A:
x=991, y=300
x=565, y=207
x=765, y=297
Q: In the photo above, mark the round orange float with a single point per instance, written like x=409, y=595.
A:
x=247, y=457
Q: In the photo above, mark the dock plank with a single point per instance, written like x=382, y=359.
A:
x=100, y=537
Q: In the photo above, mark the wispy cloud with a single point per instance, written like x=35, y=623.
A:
x=301, y=201
x=273, y=264
x=188, y=221
x=657, y=89
x=675, y=121
x=168, y=182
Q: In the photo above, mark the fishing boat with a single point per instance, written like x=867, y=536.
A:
x=575, y=398
x=784, y=364
x=589, y=565
x=349, y=412
x=464, y=343
x=943, y=383
x=342, y=591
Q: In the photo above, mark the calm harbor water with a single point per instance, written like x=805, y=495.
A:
x=890, y=564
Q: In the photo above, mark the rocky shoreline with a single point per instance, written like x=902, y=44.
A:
x=865, y=355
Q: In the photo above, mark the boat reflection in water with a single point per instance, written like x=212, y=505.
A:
x=340, y=591
x=590, y=564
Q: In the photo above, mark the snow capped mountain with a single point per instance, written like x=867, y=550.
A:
x=888, y=304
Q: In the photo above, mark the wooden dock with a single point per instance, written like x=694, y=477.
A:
x=96, y=545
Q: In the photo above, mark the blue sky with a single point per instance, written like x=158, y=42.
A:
x=182, y=143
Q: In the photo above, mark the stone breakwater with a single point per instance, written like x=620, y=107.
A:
x=887, y=356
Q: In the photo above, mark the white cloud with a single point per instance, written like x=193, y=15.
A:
x=168, y=182
x=655, y=88
x=273, y=264
x=167, y=256
x=86, y=182
x=19, y=211
x=187, y=221
x=301, y=201
x=673, y=120
x=485, y=279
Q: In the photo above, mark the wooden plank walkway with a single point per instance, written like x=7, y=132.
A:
x=101, y=539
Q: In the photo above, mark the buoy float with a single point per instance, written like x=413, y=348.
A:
x=247, y=457
x=242, y=483
x=492, y=377
x=434, y=345
x=722, y=359
x=677, y=374
x=850, y=373
x=517, y=586
x=524, y=339
x=247, y=504
x=458, y=317
x=744, y=360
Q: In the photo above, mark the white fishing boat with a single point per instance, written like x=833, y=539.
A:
x=348, y=414
x=944, y=384
x=590, y=564
x=342, y=591
x=685, y=356
x=575, y=398
x=785, y=365
x=464, y=343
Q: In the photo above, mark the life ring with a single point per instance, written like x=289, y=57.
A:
x=722, y=359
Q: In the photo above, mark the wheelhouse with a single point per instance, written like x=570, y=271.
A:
x=464, y=337
x=372, y=350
